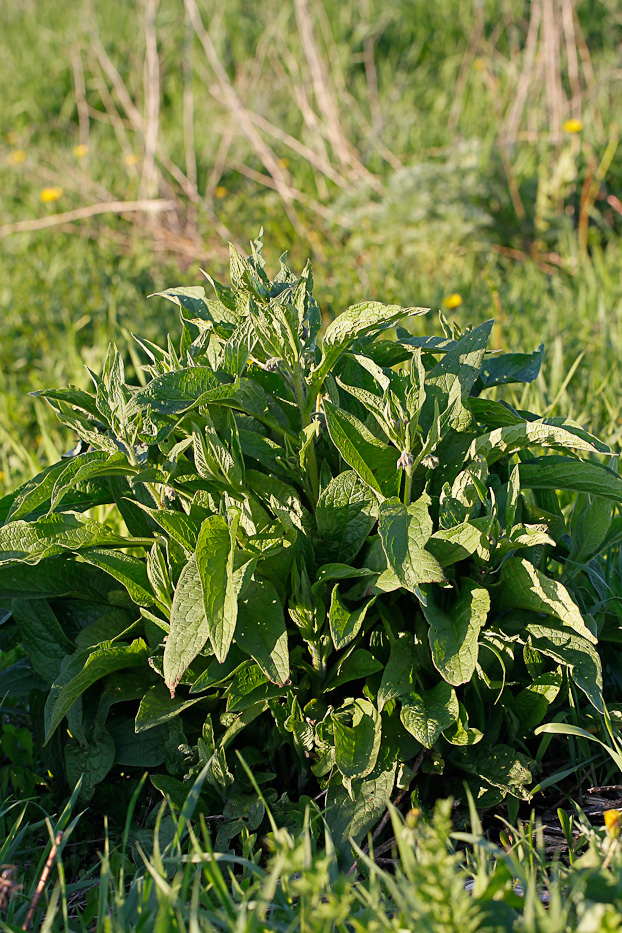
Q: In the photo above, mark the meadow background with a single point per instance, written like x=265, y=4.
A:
x=457, y=155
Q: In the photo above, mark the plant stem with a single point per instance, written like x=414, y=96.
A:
x=408, y=485
x=306, y=420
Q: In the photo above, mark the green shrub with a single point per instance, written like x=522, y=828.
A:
x=333, y=553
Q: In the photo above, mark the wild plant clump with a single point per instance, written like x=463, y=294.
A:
x=334, y=554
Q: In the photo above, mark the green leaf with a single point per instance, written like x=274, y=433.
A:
x=566, y=647
x=586, y=476
x=32, y=498
x=589, y=526
x=30, y=542
x=177, y=525
x=502, y=442
x=461, y=363
x=85, y=669
x=59, y=576
x=425, y=715
x=453, y=634
x=88, y=466
x=350, y=817
x=499, y=765
x=175, y=392
x=362, y=320
x=261, y=630
x=449, y=545
x=524, y=587
x=346, y=513
x=345, y=624
x=41, y=636
x=531, y=704
x=404, y=532
x=356, y=665
x=90, y=762
x=214, y=555
x=189, y=626
x=459, y=733
x=142, y=750
x=511, y=367
x=128, y=570
x=357, y=738
x=157, y=707
x=374, y=461
x=397, y=675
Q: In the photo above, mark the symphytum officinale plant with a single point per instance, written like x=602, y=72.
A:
x=335, y=555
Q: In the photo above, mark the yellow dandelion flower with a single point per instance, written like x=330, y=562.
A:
x=16, y=156
x=613, y=821
x=47, y=195
x=572, y=126
x=220, y=192
x=12, y=138
x=131, y=160
x=80, y=151
x=478, y=64
x=283, y=163
x=452, y=301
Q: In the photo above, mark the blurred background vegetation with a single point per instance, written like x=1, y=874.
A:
x=450, y=153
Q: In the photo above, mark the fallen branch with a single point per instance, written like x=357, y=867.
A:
x=82, y=213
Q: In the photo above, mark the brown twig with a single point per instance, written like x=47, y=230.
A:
x=82, y=213
x=47, y=868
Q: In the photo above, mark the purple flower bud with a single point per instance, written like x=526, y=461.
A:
x=405, y=461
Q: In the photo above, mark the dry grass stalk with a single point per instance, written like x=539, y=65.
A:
x=47, y=868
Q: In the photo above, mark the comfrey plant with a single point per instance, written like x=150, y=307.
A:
x=332, y=553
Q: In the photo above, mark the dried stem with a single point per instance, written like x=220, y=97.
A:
x=47, y=868
x=82, y=213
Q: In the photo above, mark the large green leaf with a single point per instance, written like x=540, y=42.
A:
x=157, y=707
x=128, y=570
x=556, y=472
x=91, y=762
x=357, y=732
x=350, y=817
x=214, y=556
x=575, y=653
x=41, y=636
x=397, y=674
x=374, y=461
x=499, y=765
x=426, y=714
x=50, y=535
x=590, y=523
x=454, y=633
x=346, y=513
x=59, y=576
x=261, y=630
x=176, y=392
x=450, y=545
x=345, y=624
x=88, y=466
x=502, y=442
x=189, y=626
x=461, y=363
x=405, y=530
x=85, y=669
x=364, y=319
x=176, y=524
x=524, y=587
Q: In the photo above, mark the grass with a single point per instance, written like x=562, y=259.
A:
x=400, y=160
